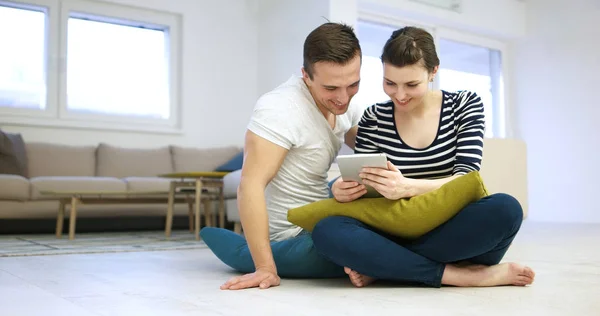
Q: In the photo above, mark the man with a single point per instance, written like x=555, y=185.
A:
x=294, y=135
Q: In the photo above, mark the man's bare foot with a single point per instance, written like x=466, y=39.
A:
x=480, y=275
x=358, y=279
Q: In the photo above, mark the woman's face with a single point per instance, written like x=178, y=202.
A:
x=406, y=86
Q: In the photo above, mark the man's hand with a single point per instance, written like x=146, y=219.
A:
x=347, y=191
x=389, y=182
x=262, y=278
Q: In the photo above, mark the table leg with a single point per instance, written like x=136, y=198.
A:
x=73, y=217
x=221, y=208
x=237, y=228
x=169, y=219
x=198, y=201
x=60, y=218
x=208, y=214
x=191, y=214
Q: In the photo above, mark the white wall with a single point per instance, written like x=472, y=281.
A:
x=282, y=28
x=557, y=108
x=219, y=86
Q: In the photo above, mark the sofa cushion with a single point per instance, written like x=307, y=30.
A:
x=14, y=187
x=13, y=156
x=49, y=160
x=121, y=162
x=75, y=184
x=231, y=181
x=147, y=184
x=201, y=159
x=232, y=164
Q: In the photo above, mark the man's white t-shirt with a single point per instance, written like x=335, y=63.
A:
x=289, y=117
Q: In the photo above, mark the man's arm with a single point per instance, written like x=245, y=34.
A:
x=262, y=160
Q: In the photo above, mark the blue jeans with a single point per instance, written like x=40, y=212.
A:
x=480, y=233
x=295, y=257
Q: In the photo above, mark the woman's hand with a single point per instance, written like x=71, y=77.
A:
x=347, y=191
x=390, y=183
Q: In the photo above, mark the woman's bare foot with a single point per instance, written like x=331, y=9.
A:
x=480, y=275
x=358, y=279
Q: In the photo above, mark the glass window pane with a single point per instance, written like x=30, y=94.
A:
x=117, y=69
x=22, y=58
x=468, y=67
x=372, y=37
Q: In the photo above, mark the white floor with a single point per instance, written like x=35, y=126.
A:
x=566, y=258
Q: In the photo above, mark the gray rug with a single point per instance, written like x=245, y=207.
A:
x=37, y=245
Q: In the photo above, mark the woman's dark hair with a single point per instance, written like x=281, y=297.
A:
x=408, y=46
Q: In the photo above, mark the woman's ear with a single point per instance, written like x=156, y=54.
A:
x=433, y=73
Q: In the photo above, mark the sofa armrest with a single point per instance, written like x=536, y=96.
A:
x=230, y=184
x=14, y=187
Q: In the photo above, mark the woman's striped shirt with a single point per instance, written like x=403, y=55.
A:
x=457, y=148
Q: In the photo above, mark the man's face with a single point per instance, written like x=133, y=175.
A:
x=333, y=85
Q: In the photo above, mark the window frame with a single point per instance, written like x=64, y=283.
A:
x=57, y=113
x=499, y=112
x=50, y=8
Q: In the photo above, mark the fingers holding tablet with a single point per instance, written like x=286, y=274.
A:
x=347, y=191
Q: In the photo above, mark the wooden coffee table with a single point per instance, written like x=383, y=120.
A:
x=197, y=181
x=75, y=198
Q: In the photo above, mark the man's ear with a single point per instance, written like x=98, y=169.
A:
x=305, y=75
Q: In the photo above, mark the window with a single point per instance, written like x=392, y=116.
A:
x=474, y=68
x=98, y=51
x=22, y=57
x=89, y=64
x=372, y=37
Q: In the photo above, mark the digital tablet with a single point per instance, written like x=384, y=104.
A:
x=351, y=166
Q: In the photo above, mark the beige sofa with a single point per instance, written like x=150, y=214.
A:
x=103, y=168
x=504, y=169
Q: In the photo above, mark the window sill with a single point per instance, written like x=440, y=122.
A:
x=131, y=127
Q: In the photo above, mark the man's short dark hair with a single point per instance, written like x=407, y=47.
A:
x=330, y=42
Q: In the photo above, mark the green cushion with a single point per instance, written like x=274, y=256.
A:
x=407, y=218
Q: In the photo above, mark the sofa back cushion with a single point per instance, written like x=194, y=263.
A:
x=504, y=168
x=121, y=162
x=13, y=155
x=49, y=160
x=201, y=159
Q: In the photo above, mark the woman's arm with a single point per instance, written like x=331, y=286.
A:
x=393, y=185
x=470, y=119
x=421, y=186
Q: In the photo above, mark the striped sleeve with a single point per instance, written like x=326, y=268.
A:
x=471, y=129
x=367, y=128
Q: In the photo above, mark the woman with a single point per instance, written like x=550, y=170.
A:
x=429, y=137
